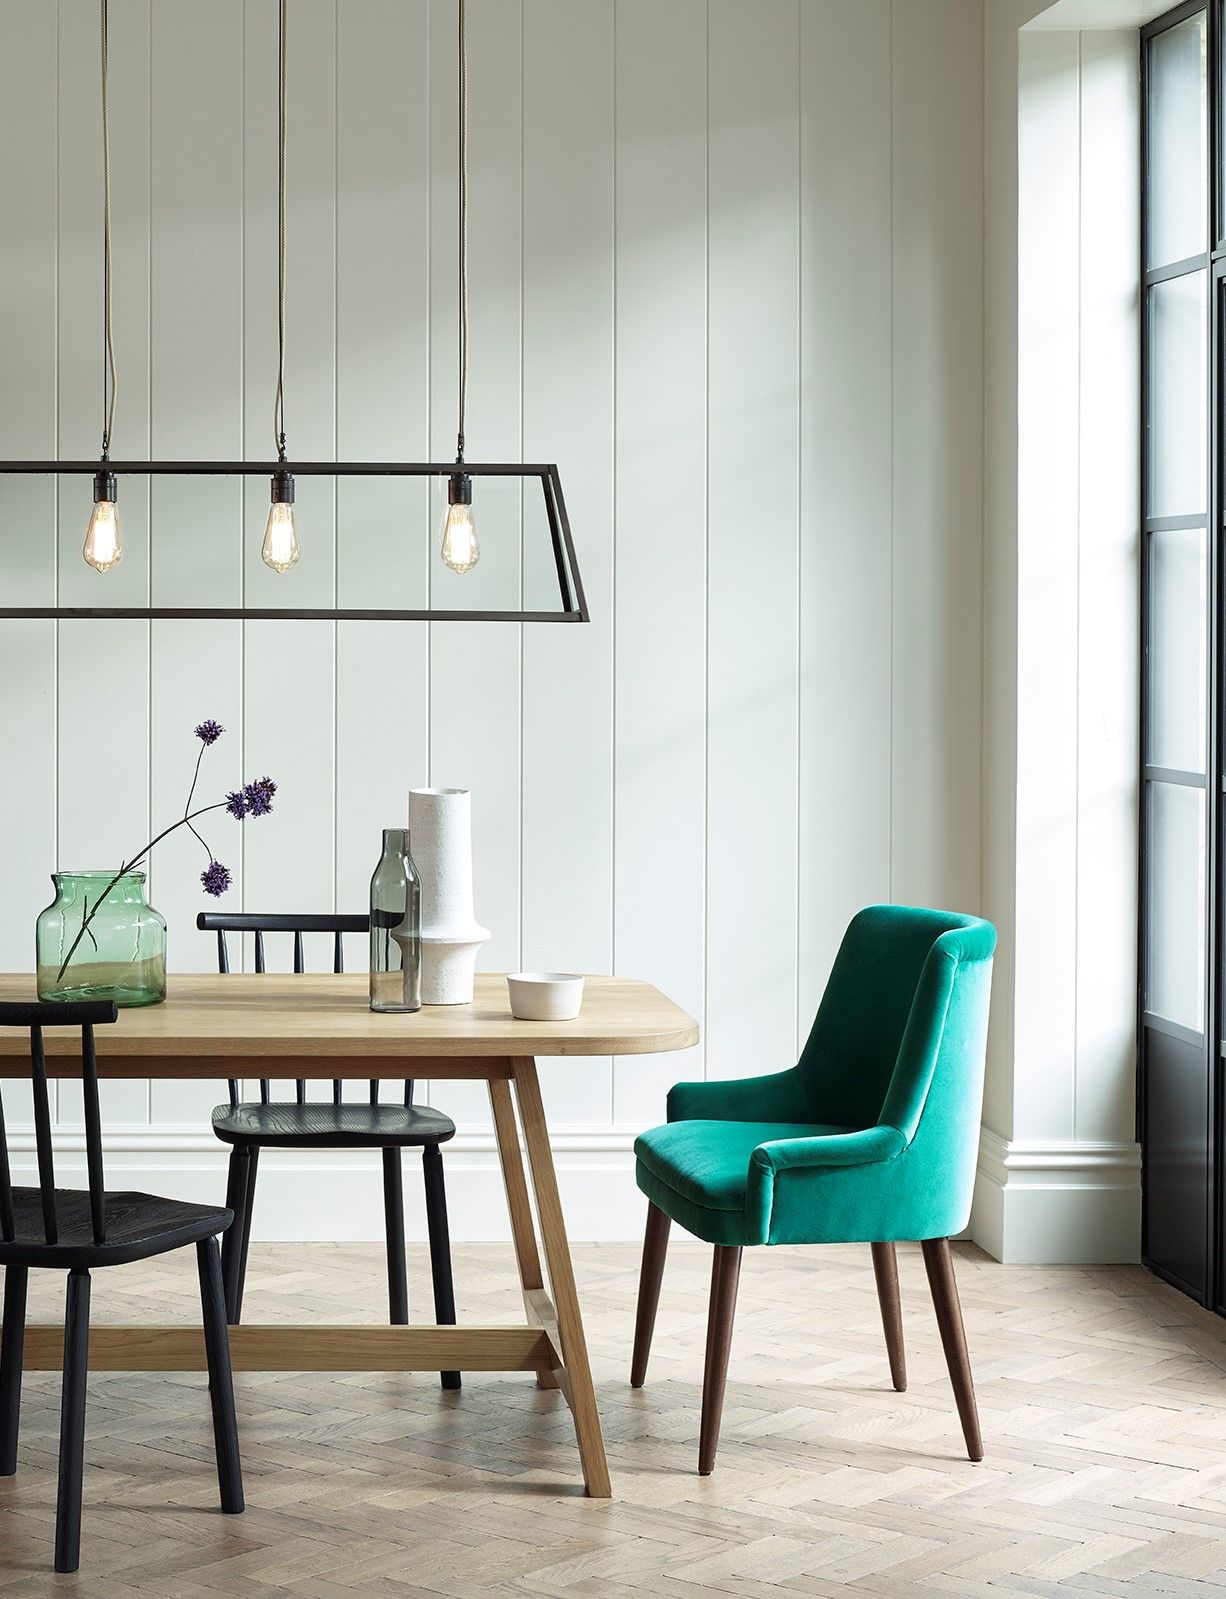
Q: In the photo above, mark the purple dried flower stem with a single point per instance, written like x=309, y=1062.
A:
x=199, y=840
x=127, y=867
x=195, y=779
x=204, y=745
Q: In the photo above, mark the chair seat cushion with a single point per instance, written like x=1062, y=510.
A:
x=697, y=1171
x=137, y=1226
x=328, y=1126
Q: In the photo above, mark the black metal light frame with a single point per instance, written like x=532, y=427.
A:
x=570, y=584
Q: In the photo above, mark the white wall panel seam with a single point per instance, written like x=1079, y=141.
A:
x=613, y=586
x=149, y=481
x=800, y=401
x=706, y=546
x=985, y=501
x=336, y=440
x=55, y=743
x=893, y=457
x=1077, y=863
x=430, y=154
x=706, y=604
x=519, y=873
x=243, y=486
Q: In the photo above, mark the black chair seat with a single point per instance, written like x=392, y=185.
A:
x=137, y=1226
x=331, y=1126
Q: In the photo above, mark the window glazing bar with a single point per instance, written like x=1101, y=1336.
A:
x=1172, y=774
x=1162, y=1024
x=1177, y=269
x=1175, y=524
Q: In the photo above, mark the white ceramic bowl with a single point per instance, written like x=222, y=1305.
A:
x=545, y=996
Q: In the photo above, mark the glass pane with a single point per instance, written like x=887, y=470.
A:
x=1176, y=903
x=1177, y=142
x=1178, y=638
x=1178, y=341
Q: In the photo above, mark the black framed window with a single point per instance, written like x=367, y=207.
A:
x=1183, y=276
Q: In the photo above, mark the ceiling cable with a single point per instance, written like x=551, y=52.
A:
x=110, y=384
x=463, y=242
x=279, y=407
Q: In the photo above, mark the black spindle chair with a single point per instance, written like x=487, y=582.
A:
x=73, y=1231
x=270, y=1124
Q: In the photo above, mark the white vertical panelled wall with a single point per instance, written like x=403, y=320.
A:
x=1059, y=1165
x=725, y=267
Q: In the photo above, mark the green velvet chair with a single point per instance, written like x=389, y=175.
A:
x=870, y=1138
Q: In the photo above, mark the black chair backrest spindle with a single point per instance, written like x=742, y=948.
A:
x=6, y=1183
x=222, y=923
x=86, y=1015
x=42, y=1133
x=93, y=1132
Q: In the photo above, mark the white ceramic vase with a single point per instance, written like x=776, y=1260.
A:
x=441, y=839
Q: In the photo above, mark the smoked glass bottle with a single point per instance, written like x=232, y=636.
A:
x=395, y=927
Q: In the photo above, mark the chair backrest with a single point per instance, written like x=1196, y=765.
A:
x=221, y=923
x=906, y=981
x=86, y=1015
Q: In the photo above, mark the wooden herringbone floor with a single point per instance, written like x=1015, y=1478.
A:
x=1102, y=1395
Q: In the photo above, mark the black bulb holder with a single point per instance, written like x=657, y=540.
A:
x=105, y=487
x=283, y=488
x=459, y=489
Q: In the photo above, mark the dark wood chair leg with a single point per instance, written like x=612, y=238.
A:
x=221, y=1382
x=253, y=1166
x=393, y=1224
x=12, y=1342
x=725, y=1275
x=440, y=1246
x=232, y=1238
x=885, y=1269
x=655, y=1248
x=72, y=1424
x=939, y=1264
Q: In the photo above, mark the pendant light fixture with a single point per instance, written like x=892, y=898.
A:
x=280, y=547
x=103, y=547
x=459, y=547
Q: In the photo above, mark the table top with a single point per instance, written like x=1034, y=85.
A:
x=273, y=1016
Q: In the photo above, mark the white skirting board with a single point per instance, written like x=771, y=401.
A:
x=337, y=1195
x=1073, y=1203
x=1055, y=1202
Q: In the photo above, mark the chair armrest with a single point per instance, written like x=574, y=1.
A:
x=777, y=1097
x=825, y=1189
x=865, y=1148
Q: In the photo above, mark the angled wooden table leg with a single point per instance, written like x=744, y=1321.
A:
x=523, y=1228
x=577, y=1375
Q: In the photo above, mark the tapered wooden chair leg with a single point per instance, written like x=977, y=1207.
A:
x=939, y=1264
x=72, y=1424
x=725, y=1275
x=655, y=1248
x=393, y=1222
x=440, y=1246
x=253, y=1166
x=221, y=1382
x=12, y=1342
x=232, y=1239
x=885, y=1269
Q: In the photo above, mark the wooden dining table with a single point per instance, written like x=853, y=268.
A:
x=271, y=1026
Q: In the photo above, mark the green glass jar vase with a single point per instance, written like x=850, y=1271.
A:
x=121, y=955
